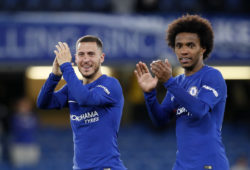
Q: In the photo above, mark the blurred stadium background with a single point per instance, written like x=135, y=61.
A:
x=132, y=30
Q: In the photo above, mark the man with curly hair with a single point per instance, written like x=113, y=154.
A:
x=196, y=98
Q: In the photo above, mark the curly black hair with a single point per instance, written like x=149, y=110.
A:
x=192, y=24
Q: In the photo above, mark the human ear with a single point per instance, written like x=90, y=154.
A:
x=102, y=57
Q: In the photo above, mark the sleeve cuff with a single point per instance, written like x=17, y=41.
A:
x=54, y=77
x=169, y=82
x=148, y=94
x=65, y=66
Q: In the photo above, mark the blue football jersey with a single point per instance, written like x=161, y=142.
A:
x=95, y=114
x=198, y=104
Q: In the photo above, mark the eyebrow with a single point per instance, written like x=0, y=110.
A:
x=88, y=52
x=189, y=42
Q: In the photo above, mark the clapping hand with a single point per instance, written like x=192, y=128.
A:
x=144, y=77
x=162, y=70
x=56, y=69
x=63, y=53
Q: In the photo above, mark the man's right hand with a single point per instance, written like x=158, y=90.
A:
x=144, y=77
x=56, y=68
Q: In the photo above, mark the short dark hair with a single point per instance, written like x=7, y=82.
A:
x=192, y=24
x=90, y=38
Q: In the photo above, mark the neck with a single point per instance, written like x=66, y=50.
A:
x=87, y=80
x=191, y=70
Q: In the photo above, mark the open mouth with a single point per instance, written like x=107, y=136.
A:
x=185, y=60
x=86, y=67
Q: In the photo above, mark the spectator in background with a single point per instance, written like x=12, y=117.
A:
x=123, y=7
x=24, y=148
x=147, y=6
x=4, y=126
x=241, y=164
x=4, y=133
x=213, y=5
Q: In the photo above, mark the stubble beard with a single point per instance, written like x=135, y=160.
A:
x=188, y=68
x=191, y=67
x=93, y=74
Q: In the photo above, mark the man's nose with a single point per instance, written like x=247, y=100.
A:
x=184, y=50
x=85, y=59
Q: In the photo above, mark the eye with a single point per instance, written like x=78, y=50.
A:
x=80, y=54
x=91, y=53
x=178, y=45
x=191, y=45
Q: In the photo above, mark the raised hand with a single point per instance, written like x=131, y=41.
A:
x=63, y=54
x=162, y=70
x=144, y=77
x=56, y=69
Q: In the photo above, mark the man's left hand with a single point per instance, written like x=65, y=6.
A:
x=63, y=54
x=162, y=70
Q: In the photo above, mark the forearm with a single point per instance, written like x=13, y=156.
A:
x=195, y=106
x=79, y=91
x=46, y=98
x=159, y=113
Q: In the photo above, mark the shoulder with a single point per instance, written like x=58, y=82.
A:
x=109, y=84
x=179, y=78
x=213, y=78
x=212, y=74
x=110, y=81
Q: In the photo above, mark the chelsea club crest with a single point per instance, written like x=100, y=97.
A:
x=193, y=91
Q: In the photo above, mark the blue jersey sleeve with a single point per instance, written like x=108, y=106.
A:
x=48, y=99
x=102, y=94
x=211, y=92
x=159, y=113
x=213, y=89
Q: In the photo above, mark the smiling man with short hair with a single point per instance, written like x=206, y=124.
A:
x=95, y=104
